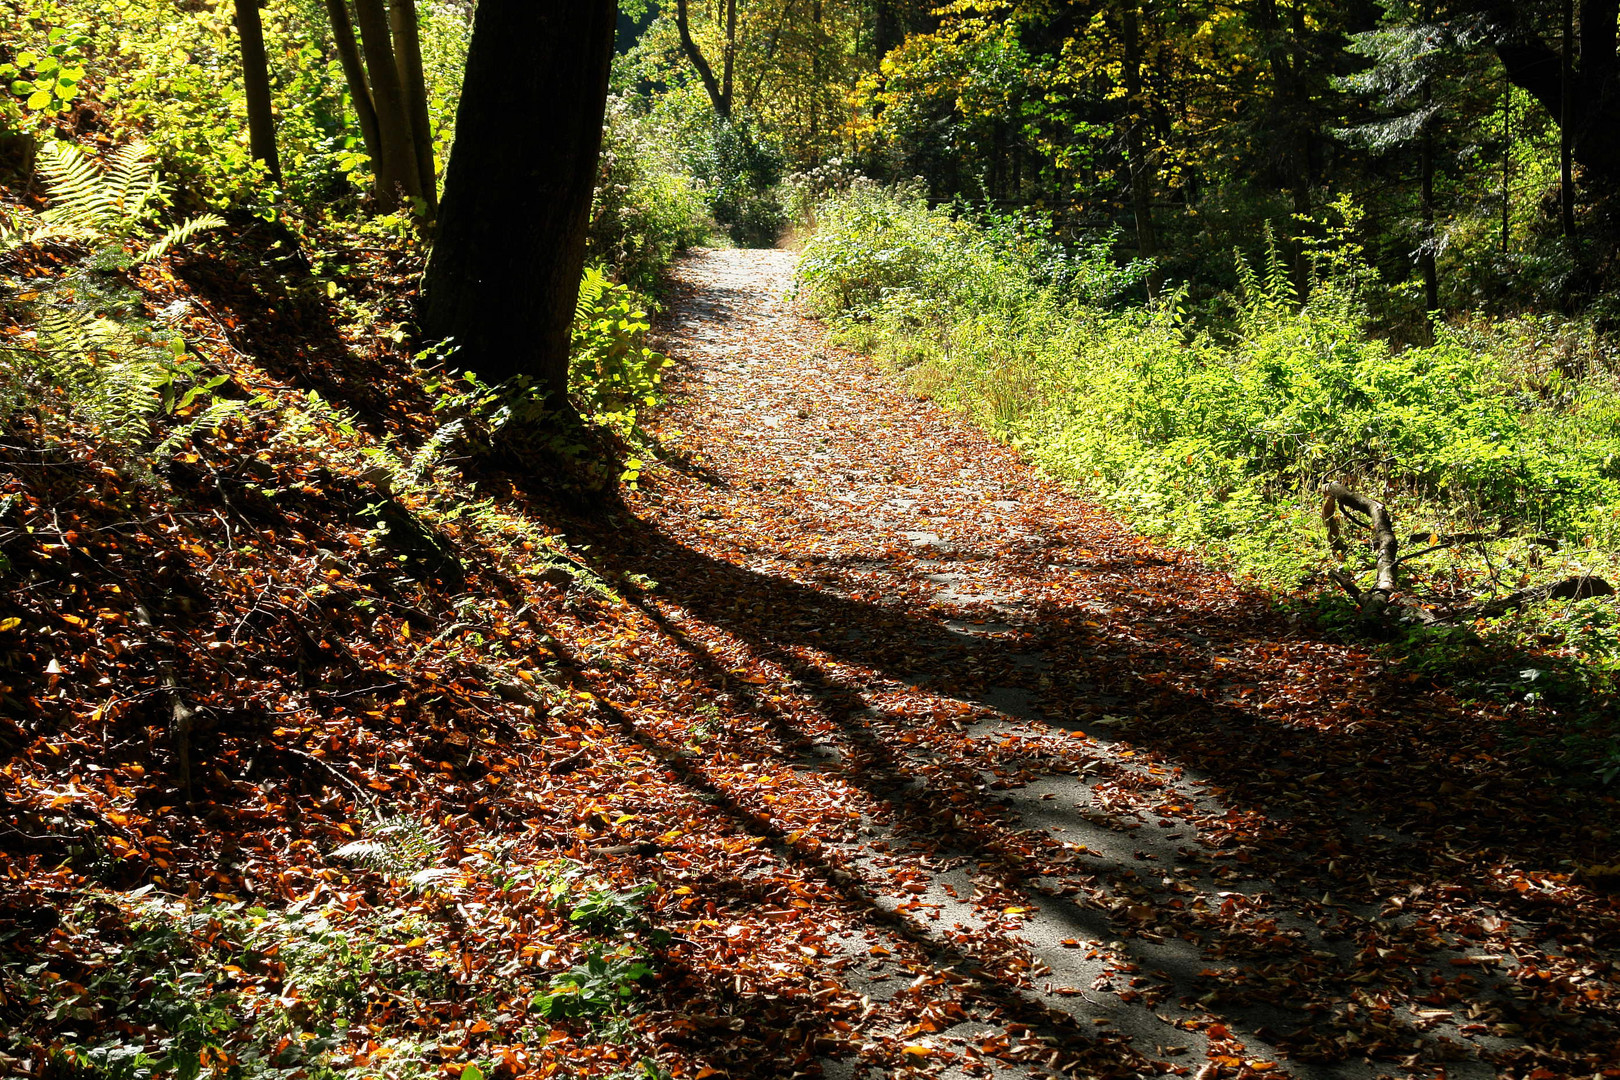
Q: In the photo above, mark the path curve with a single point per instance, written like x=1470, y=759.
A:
x=1088, y=807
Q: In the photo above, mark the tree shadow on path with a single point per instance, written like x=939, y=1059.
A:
x=1346, y=810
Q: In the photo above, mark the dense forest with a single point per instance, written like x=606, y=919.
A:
x=809, y=538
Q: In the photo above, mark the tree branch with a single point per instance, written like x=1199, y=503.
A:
x=722, y=107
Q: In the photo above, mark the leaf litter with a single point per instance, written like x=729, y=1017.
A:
x=933, y=767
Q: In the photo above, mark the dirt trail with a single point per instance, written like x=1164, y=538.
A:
x=1084, y=806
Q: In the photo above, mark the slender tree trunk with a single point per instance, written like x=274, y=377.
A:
x=396, y=167
x=1566, y=125
x=721, y=102
x=730, y=56
x=1591, y=113
x=408, y=58
x=1141, y=169
x=1507, y=162
x=504, y=273
x=1426, y=259
x=815, y=75
x=256, y=83
x=354, y=73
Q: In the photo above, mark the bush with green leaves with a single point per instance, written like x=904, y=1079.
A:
x=44, y=75
x=738, y=165
x=646, y=206
x=1221, y=433
x=612, y=373
x=174, y=75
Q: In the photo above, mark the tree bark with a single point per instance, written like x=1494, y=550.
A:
x=396, y=167
x=720, y=100
x=1426, y=254
x=354, y=73
x=413, y=84
x=504, y=273
x=1566, y=124
x=1385, y=545
x=1593, y=109
x=729, y=57
x=1141, y=169
x=256, y=83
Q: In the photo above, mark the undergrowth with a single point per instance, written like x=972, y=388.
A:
x=187, y=987
x=1220, y=433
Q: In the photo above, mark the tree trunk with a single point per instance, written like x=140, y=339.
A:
x=354, y=73
x=1507, y=163
x=1590, y=114
x=1566, y=124
x=256, y=83
x=408, y=58
x=720, y=101
x=1141, y=170
x=396, y=166
x=730, y=55
x=1426, y=259
x=504, y=273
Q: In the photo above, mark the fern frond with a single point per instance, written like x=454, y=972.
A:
x=132, y=181
x=209, y=419
x=592, y=287
x=179, y=234
x=400, y=848
x=80, y=201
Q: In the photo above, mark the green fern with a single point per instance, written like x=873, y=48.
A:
x=592, y=287
x=91, y=204
x=92, y=348
x=179, y=234
x=401, y=848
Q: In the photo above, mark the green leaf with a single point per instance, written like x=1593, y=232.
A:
x=38, y=99
x=24, y=59
x=472, y=1072
x=47, y=65
x=21, y=87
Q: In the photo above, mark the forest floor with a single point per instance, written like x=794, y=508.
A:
x=1071, y=802
x=888, y=755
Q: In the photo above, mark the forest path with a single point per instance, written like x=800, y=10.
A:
x=1063, y=801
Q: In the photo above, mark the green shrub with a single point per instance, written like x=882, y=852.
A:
x=612, y=373
x=1222, y=434
x=646, y=206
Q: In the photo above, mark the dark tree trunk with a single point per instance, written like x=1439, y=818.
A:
x=718, y=97
x=1141, y=168
x=730, y=56
x=1290, y=115
x=1591, y=113
x=413, y=84
x=256, y=83
x=1426, y=252
x=504, y=273
x=1566, y=125
x=1507, y=164
x=354, y=73
x=396, y=168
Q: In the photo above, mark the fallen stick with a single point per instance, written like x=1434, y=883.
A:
x=1385, y=546
x=1386, y=549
